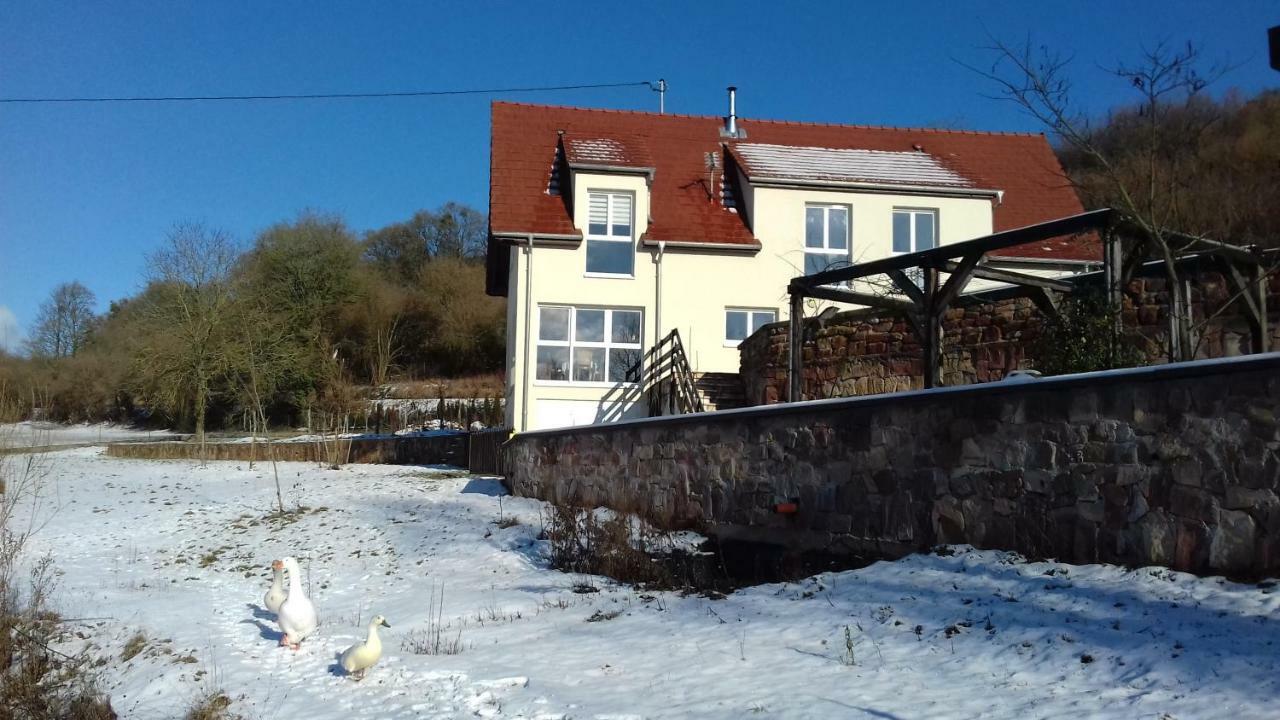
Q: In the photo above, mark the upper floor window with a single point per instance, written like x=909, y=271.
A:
x=826, y=237
x=609, y=223
x=586, y=345
x=914, y=230
x=739, y=324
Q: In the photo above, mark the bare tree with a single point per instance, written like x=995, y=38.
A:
x=63, y=322
x=1143, y=178
x=189, y=317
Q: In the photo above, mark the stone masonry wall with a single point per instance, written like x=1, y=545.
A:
x=1176, y=465
x=865, y=352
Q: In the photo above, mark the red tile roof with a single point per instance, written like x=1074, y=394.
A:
x=524, y=145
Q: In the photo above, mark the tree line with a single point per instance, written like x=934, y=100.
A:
x=286, y=330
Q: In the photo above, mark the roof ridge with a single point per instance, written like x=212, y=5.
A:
x=795, y=123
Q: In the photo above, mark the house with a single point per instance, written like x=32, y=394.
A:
x=611, y=229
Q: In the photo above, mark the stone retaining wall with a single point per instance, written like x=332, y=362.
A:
x=1176, y=465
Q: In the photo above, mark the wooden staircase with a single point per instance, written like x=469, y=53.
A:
x=720, y=390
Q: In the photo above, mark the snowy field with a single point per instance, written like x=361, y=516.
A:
x=180, y=554
x=41, y=434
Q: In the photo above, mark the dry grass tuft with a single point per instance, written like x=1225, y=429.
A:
x=213, y=706
x=133, y=647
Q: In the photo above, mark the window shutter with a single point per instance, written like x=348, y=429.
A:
x=598, y=213
x=622, y=210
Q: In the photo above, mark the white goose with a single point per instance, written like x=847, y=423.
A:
x=363, y=655
x=276, y=595
x=297, y=616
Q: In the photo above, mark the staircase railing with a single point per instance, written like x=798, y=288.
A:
x=666, y=378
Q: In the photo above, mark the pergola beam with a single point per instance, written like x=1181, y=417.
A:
x=857, y=298
x=1013, y=278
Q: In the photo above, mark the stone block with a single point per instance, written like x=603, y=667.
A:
x=1157, y=535
x=1091, y=510
x=1193, y=504
x=1191, y=546
x=961, y=484
x=1231, y=545
x=1187, y=471
x=1238, y=497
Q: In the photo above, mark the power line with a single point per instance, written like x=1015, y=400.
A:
x=322, y=96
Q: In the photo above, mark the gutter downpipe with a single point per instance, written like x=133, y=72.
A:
x=657, y=295
x=528, y=329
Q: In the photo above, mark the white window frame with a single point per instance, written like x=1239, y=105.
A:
x=826, y=250
x=912, y=212
x=608, y=236
x=572, y=343
x=751, y=313
x=915, y=274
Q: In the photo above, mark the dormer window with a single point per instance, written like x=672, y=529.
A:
x=826, y=237
x=610, y=246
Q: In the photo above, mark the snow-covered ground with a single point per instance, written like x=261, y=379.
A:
x=40, y=434
x=180, y=553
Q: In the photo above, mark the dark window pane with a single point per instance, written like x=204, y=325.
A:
x=760, y=319
x=622, y=230
x=620, y=361
x=838, y=229
x=588, y=364
x=553, y=323
x=813, y=227
x=590, y=326
x=597, y=228
x=735, y=325
x=902, y=232
x=553, y=363
x=816, y=262
x=626, y=327
x=610, y=257
x=924, y=231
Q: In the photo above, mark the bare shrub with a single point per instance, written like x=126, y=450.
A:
x=615, y=547
x=37, y=681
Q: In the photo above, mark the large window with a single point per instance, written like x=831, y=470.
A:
x=585, y=345
x=739, y=324
x=914, y=230
x=609, y=247
x=826, y=237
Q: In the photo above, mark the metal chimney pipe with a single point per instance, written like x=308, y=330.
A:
x=731, y=122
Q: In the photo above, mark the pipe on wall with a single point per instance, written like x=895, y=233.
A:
x=528, y=330
x=657, y=293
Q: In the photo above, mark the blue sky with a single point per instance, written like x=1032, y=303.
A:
x=86, y=191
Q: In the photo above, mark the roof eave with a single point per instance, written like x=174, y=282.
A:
x=517, y=237
x=614, y=169
x=753, y=247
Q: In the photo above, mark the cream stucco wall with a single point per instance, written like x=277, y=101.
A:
x=696, y=285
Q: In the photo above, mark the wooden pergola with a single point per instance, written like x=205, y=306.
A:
x=924, y=302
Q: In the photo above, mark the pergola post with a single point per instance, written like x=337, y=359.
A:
x=932, y=340
x=1262, y=334
x=795, y=349
x=1114, y=275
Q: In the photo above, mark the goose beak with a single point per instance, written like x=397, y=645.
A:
x=386, y=624
x=277, y=565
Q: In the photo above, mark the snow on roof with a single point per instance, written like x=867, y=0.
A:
x=784, y=162
x=606, y=151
